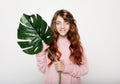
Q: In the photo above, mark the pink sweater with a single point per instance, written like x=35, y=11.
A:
x=72, y=72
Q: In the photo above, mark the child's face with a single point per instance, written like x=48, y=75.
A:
x=62, y=27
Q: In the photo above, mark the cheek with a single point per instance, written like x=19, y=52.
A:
x=68, y=28
x=57, y=29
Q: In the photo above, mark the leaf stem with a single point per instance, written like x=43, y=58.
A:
x=52, y=55
x=59, y=77
x=55, y=61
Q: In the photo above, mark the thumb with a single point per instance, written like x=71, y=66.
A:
x=62, y=61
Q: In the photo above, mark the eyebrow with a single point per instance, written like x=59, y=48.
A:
x=58, y=21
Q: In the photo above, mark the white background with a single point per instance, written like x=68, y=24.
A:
x=99, y=26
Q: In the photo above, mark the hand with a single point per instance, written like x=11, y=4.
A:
x=59, y=66
x=45, y=46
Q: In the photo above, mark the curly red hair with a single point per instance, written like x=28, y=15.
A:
x=73, y=36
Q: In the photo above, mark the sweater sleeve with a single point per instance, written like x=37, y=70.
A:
x=42, y=61
x=76, y=70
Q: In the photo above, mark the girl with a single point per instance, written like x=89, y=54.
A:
x=68, y=50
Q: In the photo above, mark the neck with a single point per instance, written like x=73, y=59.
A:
x=62, y=37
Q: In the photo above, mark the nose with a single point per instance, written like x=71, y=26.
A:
x=63, y=25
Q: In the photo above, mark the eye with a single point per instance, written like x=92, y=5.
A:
x=58, y=23
x=67, y=23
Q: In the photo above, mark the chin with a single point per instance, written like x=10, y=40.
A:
x=63, y=35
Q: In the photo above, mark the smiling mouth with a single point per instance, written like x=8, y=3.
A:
x=62, y=30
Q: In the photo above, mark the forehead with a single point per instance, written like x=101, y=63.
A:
x=59, y=18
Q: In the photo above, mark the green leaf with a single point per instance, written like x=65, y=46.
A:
x=31, y=31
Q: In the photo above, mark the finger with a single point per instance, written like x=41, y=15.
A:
x=62, y=61
x=57, y=65
x=59, y=68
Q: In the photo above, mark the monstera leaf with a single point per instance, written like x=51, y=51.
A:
x=32, y=30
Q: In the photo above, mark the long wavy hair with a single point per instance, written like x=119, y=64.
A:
x=72, y=35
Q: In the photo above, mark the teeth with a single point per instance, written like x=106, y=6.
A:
x=62, y=30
